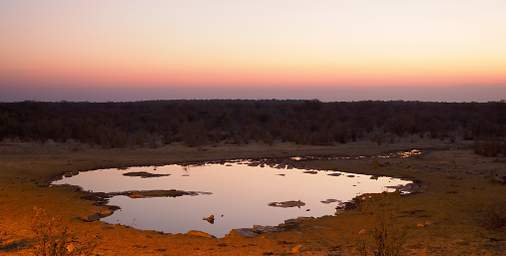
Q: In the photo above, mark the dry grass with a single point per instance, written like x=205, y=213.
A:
x=388, y=238
x=53, y=238
x=385, y=239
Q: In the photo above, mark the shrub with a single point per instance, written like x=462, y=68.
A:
x=385, y=239
x=52, y=238
x=493, y=217
x=388, y=238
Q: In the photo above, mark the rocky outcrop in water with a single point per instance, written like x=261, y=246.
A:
x=287, y=204
x=155, y=193
x=329, y=201
x=258, y=229
x=410, y=188
x=70, y=174
x=209, y=219
x=144, y=174
x=102, y=213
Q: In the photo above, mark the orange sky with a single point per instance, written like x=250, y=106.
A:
x=239, y=43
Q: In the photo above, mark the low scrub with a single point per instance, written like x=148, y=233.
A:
x=385, y=239
x=53, y=238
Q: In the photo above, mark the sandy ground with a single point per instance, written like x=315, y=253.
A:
x=445, y=219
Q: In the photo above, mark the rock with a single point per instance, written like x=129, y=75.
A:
x=296, y=249
x=287, y=204
x=424, y=224
x=258, y=229
x=500, y=179
x=281, y=174
x=70, y=248
x=265, y=229
x=342, y=206
x=410, y=188
x=411, y=153
x=209, y=219
x=350, y=175
x=311, y=172
x=362, y=232
x=92, y=217
x=144, y=174
x=102, y=213
x=334, y=174
x=106, y=212
x=328, y=201
x=293, y=223
x=155, y=193
x=136, y=195
x=70, y=174
x=199, y=234
x=244, y=232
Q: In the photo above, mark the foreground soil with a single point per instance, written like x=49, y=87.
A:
x=450, y=217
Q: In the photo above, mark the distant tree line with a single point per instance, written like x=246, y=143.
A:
x=202, y=122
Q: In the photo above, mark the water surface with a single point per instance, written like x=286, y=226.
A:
x=240, y=194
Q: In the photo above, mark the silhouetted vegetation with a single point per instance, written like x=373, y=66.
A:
x=200, y=122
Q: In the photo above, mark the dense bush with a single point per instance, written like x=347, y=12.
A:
x=490, y=147
x=198, y=122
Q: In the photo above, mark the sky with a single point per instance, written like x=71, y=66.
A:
x=332, y=50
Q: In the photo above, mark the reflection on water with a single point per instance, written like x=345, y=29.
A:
x=241, y=194
x=400, y=154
